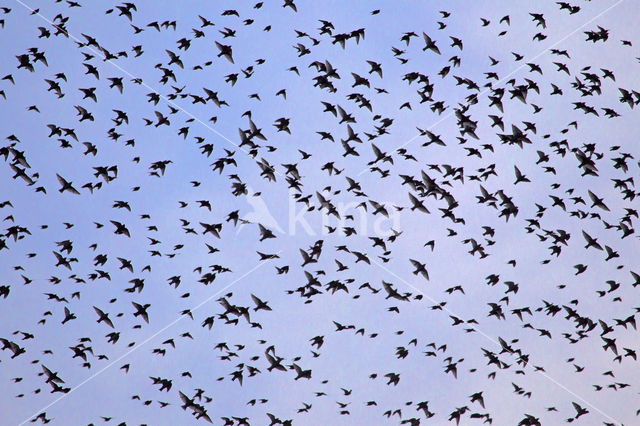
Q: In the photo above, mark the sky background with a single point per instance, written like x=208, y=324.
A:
x=346, y=360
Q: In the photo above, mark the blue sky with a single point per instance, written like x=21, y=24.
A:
x=346, y=360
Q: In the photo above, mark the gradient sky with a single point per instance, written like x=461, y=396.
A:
x=346, y=360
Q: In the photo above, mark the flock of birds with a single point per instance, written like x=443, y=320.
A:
x=149, y=165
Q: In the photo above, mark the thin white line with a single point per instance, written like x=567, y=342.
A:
x=167, y=100
x=171, y=324
x=488, y=337
x=262, y=263
x=449, y=114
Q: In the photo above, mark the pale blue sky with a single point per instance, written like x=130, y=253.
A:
x=346, y=360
